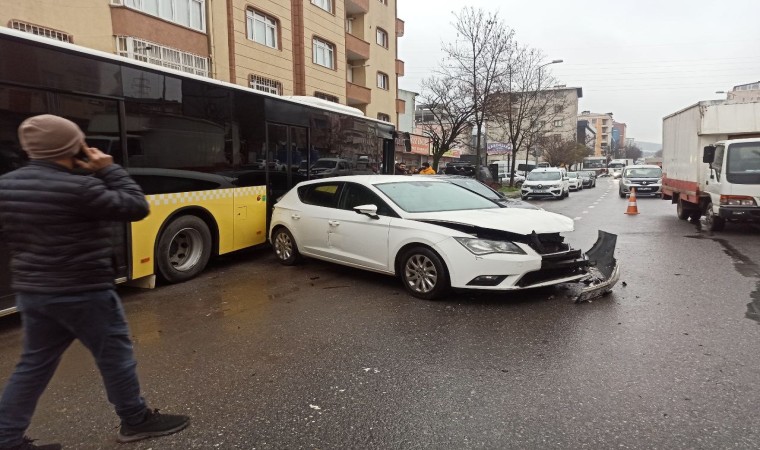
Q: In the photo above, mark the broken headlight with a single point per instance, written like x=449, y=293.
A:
x=485, y=246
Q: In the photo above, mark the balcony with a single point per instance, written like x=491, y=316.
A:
x=356, y=48
x=399, y=27
x=399, y=67
x=357, y=7
x=400, y=106
x=357, y=95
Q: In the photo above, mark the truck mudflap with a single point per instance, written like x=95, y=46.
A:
x=603, y=271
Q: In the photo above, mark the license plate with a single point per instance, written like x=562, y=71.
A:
x=539, y=190
x=644, y=189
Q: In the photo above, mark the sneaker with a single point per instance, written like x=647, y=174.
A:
x=26, y=444
x=154, y=425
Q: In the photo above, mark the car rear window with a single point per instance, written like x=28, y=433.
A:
x=326, y=194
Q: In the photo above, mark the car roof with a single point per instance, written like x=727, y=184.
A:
x=374, y=179
x=547, y=169
x=643, y=166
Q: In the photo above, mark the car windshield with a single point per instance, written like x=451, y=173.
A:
x=572, y=175
x=616, y=166
x=324, y=164
x=646, y=172
x=544, y=176
x=431, y=196
x=588, y=174
x=476, y=187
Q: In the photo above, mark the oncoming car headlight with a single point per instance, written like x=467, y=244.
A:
x=485, y=246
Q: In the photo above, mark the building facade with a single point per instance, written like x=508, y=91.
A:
x=749, y=92
x=618, y=138
x=344, y=51
x=602, y=125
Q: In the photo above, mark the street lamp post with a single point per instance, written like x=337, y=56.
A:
x=538, y=90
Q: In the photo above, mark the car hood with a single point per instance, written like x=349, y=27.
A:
x=545, y=183
x=513, y=220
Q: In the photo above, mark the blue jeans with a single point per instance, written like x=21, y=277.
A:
x=50, y=325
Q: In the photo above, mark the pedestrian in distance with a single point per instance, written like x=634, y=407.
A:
x=400, y=169
x=426, y=169
x=58, y=222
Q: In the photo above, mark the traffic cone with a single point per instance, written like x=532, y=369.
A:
x=632, y=208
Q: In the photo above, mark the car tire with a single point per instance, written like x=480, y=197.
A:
x=285, y=248
x=423, y=273
x=713, y=222
x=184, y=249
x=682, y=211
x=524, y=197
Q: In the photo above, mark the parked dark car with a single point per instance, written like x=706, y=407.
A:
x=588, y=177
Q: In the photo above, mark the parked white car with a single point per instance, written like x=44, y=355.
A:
x=433, y=234
x=548, y=182
x=574, y=182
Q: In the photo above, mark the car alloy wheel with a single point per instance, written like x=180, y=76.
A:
x=424, y=274
x=285, y=247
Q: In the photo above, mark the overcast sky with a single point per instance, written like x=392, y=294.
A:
x=639, y=59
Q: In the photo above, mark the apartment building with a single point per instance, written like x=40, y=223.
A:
x=602, y=124
x=344, y=51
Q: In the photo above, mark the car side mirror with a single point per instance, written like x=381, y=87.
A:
x=367, y=210
x=709, y=155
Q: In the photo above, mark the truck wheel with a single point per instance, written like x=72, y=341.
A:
x=682, y=211
x=184, y=249
x=713, y=222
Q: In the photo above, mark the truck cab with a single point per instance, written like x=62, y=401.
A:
x=733, y=181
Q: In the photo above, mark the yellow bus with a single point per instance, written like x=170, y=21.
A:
x=210, y=156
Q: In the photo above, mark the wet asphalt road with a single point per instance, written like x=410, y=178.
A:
x=320, y=356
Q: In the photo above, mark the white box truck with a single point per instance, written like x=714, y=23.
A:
x=711, y=162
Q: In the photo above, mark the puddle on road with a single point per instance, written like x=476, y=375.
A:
x=744, y=265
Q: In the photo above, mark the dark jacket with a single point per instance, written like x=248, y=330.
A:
x=59, y=225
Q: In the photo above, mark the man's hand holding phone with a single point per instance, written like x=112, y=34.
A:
x=92, y=159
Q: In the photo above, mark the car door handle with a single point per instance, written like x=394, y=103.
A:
x=295, y=216
x=333, y=223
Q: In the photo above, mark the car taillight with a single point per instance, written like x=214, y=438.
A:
x=737, y=200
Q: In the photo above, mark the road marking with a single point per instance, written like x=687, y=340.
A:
x=584, y=212
x=591, y=207
x=577, y=218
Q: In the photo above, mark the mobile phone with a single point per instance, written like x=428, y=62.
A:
x=82, y=156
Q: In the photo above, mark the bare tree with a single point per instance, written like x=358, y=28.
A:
x=479, y=58
x=632, y=152
x=558, y=152
x=525, y=107
x=446, y=113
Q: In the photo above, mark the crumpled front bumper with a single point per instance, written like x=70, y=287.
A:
x=604, y=271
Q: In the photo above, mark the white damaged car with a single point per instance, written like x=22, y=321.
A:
x=434, y=235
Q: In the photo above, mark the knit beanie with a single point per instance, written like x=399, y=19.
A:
x=50, y=137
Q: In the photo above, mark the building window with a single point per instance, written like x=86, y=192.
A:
x=382, y=38
x=382, y=81
x=557, y=123
x=262, y=28
x=188, y=13
x=558, y=109
x=265, y=85
x=324, y=4
x=557, y=138
x=324, y=53
x=328, y=97
x=384, y=2
x=40, y=31
x=384, y=117
x=161, y=55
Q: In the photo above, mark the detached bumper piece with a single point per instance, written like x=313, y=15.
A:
x=604, y=272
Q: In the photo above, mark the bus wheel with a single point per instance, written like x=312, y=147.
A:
x=184, y=249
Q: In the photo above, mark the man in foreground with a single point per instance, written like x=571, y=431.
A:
x=58, y=225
